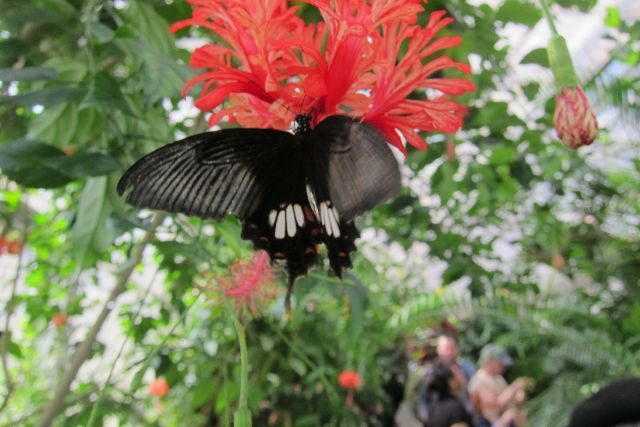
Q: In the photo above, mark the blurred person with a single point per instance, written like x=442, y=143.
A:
x=439, y=390
x=447, y=351
x=496, y=402
x=493, y=362
x=487, y=414
x=411, y=410
x=615, y=405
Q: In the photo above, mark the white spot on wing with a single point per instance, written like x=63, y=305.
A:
x=280, y=225
x=291, y=221
x=272, y=217
x=335, y=213
x=299, y=215
x=312, y=200
x=334, y=222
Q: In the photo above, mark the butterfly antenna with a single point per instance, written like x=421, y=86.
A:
x=287, y=298
x=278, y=102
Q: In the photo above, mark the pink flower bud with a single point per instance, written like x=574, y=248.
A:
x=574, y=120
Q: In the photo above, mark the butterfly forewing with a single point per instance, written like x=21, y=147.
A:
x=356, y=164
x=209, y=175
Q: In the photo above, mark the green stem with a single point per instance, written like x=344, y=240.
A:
x=547, y=14
x=242, y=416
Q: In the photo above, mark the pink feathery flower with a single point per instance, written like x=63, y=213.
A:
x=271, y=65
x=248, y=282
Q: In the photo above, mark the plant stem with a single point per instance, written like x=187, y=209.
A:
x=547, y=14
x=242, y=417
x=57, y=403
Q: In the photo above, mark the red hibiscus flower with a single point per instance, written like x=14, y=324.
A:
x=349, y=379
x=272, y=65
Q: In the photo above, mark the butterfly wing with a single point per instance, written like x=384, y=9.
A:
x=257, y=174
x=209, y=175
x=360, y=169
x=353, y=171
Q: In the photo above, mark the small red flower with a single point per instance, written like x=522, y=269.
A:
x=13, y=247
x=573, y=119
x=364, y=59
x=159, y=388
x=248, y=282
x=60, y=320
x=349, y=379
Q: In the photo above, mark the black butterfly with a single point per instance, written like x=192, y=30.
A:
x=291, y=191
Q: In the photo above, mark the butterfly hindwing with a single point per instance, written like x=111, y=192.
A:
x=284, y=223
x=357, y=164
x=210, y=175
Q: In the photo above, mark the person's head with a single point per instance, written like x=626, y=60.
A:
x=440, y=380
x=447, y=348
x=494, y=359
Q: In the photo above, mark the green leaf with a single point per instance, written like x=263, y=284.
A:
x=203, y=392
x=25, y=162
x=298, y=366
x=502, y=155
x=101, y=32
x=47, y=96
x=28, y=74
x=150, y=27
x=105, y=92
x=14, y=152
x=519, y=11
x=531, y=90
x=93, y=210
x=613, y=17
x=537, y=56
x=81, y=165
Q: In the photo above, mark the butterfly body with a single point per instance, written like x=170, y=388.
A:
x=292, y=192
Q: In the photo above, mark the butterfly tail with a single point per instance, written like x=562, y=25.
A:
x=340, y=248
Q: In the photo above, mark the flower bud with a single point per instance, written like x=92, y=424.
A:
x=573, y=119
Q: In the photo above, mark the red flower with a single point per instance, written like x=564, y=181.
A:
x=60, y=320
x=573, y=119
x=349, y=379
x=13, y=247
x=159, y=388
x=272, y=65
x=248, y=282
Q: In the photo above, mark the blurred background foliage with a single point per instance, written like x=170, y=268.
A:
x=501, y=232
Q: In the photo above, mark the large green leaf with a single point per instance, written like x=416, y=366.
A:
x=29, y=73
x=90, y=228
x=25, y=162
x=47, y=96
